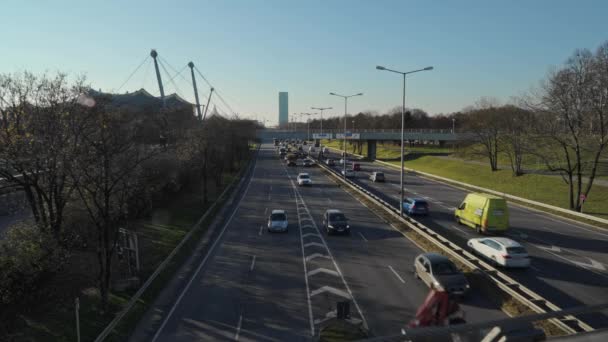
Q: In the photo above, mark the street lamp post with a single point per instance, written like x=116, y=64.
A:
x=308, y=123
x=321, y=109
x=345, y=97
x=453, y=125
x=402, y=126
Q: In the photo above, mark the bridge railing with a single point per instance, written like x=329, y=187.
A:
x=365, y=130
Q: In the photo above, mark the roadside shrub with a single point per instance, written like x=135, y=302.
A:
x=28, y=258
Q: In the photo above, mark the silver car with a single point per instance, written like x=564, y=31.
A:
x=277, y=221
x=438, y=272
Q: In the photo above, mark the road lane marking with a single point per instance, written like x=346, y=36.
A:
x=396, y=274
x=309, y=235
x=323, y=270
x=552, y=248
x=315, y=255
x=314, y=244
x=204, y=261
x=300, y=200
x=330, y=289
x=265, y=211
x=238, y=328
x=534, y=268
x=252, y=264
x=261, y=231
x=363, y=237
x=594, y=264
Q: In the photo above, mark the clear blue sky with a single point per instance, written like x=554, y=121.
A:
x=251, y=50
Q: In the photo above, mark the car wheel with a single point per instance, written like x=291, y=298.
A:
x=493, y=261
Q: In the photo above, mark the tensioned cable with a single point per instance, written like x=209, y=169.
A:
x=133, y=73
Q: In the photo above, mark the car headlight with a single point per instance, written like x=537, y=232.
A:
x=330, y=226
x=466, y=286
x=347, y=227
x=436, y=284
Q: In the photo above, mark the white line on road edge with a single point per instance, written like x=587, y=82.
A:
x=396, y=274
x=252, y=263
x=363, y=237
x=238, y=328
x=200, y=266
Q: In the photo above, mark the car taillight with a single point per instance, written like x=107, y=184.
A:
x=506, y=256
x=414, y=206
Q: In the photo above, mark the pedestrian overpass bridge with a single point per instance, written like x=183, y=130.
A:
x=369, y=136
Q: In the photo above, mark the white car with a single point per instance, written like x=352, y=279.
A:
x=304, y=179
x=277, y=221
x=500, y=251
x=349, y=173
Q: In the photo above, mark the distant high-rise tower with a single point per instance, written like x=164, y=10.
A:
x=283, y=109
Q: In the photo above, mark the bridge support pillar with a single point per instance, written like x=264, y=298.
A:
x=371, y=149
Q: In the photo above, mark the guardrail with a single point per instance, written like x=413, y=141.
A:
x=521, y=293
x=503, y=194
x=110, y=327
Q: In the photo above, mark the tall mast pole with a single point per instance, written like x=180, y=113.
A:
x=198, y=104
x=154, y=54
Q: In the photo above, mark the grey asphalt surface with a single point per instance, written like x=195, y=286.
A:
x=260, y=286
x=569, y=259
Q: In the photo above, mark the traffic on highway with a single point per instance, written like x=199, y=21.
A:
x=294, y=257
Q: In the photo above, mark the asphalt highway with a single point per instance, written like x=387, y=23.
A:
x=261, y=286
x=569, y=259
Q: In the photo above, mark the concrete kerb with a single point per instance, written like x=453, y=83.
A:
x=135, y=298
x=466, y=258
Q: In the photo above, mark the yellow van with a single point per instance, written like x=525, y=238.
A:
x=484, y=212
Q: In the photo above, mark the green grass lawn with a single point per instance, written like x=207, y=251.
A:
x=546, y=189
x=387, y=150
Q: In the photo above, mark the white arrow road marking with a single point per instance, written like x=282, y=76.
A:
x=396, y=274
x=594, y=264
x=331, y=290
x=316, y=255
x=307, y=226
x=309, y=235
x=316, y=244
x=552, y=248
x=322, y=270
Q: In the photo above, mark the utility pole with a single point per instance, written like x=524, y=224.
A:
x=154, y=54
x=198, y=104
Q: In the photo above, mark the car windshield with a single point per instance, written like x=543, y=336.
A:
x=379, y=174
x=278, y=217
x=516, y=250
x=421, y=204
x=337, y=217
x=304, y=177
x=444, y=268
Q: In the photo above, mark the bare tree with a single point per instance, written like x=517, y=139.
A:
x=515, y=136
x=105, y=172
x=573, y=106
x=485, y=125
x=38, y=134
